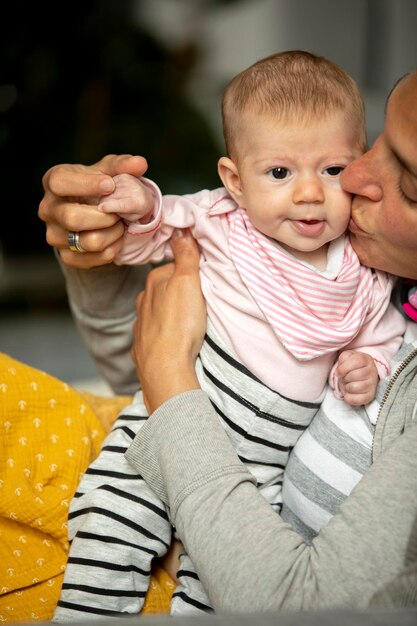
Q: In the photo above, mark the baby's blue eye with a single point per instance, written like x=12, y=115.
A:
x=279, y=173
x=335, y=170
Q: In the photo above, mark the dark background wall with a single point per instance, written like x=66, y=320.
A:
x=79, y=80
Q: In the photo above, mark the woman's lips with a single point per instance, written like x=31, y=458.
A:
x=354, y=228
x=308, y=228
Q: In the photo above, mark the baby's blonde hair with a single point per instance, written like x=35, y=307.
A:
x=292, y=85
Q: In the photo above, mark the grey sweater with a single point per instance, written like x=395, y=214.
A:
x=248, y=558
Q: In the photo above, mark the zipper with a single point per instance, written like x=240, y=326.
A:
x=390, y=385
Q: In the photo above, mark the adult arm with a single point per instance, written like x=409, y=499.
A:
x=102, y=302
x=101, y=294
x=247, y=558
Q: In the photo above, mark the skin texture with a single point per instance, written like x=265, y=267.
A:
x=72, y=193
x=131, y=199
x=384, y=221
x=287, y=177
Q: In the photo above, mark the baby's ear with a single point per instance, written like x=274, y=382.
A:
x=229, y=175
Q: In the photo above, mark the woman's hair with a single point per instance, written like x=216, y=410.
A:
x=292, y=85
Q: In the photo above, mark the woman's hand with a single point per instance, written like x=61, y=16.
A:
x=69, y=204
x=170, y=326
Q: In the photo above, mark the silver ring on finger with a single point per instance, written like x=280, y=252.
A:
x=74, y=242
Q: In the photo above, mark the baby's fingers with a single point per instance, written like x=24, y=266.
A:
x=128, y=206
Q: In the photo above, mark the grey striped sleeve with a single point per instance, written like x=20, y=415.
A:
x=334, y=453
x=327, y=462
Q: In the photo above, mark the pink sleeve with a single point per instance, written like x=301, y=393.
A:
x=144, y=242
x=381, y=334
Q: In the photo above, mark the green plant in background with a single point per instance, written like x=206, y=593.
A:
x=80, y=80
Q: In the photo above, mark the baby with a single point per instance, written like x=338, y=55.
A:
x=290, y=309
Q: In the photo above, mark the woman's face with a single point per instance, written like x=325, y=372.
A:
x=383, y=228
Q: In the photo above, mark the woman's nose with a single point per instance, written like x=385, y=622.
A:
x=361, y=177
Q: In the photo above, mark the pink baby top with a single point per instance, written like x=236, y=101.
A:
x=285, y=320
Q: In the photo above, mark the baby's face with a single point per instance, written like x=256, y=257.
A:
x=290, y=179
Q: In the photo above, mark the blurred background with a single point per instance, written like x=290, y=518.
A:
x=85, y=78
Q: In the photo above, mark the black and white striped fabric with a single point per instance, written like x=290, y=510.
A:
x=117, y=526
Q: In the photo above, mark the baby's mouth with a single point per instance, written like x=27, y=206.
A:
x=309, y=228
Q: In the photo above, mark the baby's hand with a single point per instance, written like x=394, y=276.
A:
x=358, y=377
x=131, y=199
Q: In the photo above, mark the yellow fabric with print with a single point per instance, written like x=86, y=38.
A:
x=49, y=436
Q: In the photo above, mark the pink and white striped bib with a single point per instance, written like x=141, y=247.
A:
x=310, y=313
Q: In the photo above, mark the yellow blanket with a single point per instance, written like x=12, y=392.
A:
x=49, y=435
